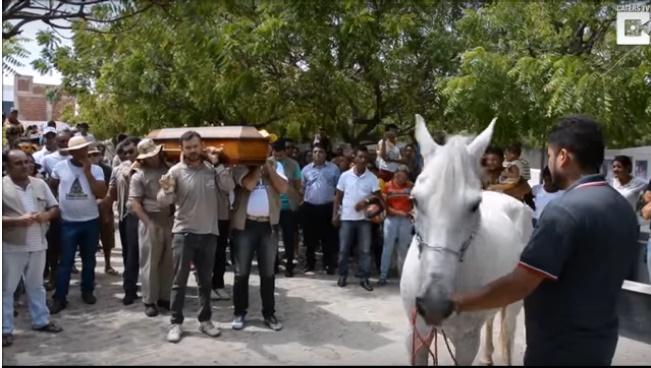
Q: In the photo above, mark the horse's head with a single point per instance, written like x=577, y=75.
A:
x=446, y=196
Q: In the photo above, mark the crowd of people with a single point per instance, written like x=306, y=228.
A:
x=200, y=216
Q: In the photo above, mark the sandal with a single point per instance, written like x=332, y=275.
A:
x=7, y=340
x=111, y=272
x=50, y=328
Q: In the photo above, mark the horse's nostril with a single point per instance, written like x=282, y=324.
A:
x=419, y=306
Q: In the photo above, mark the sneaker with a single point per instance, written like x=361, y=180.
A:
x=175, y=333
x=382, y=282
x=273, y=323
x=209, y=329
x=220, y=294
x=151, y=310
x=238, y=323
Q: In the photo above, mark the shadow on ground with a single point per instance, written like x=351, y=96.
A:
x=111, y=333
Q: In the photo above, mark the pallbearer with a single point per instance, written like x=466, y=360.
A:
x=154, y=228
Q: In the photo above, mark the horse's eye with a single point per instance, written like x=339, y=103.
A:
x=475, y=207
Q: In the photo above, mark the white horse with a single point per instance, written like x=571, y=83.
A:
x=465, y=238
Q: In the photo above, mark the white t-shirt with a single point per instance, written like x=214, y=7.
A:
x=542, y=198
x=50, y=161
x=76, y=200
x=40, y=155
x=258, y=200
x=393, y=152
x=355, y=189
x=631, y=190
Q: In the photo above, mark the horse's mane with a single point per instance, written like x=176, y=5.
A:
x=450, y=167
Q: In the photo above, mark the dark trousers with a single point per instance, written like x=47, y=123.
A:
x=289, y=226
x=260, y=238
x=219, y=268
x=53, y=253
x=130, y=253
x=318, y=229
x=84, y=235
x=188, y=248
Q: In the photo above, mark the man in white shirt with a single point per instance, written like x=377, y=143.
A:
x=80, y=184
x=49, y=161
x=355, y=189
x=49, y=146
x=27, y=207
x=254, y=220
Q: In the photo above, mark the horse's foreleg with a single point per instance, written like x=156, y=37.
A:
x=465, y=347
x=419, y=357
x=508, y=324
x=487, y=356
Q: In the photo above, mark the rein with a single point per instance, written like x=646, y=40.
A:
x=423, y=343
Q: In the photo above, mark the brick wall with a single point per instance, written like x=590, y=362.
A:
x=29, y=99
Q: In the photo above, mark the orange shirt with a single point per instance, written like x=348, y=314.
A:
x=398, y=196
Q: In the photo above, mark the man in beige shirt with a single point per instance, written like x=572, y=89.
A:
x=128, y=221
x=155, y=228
x=192, y=186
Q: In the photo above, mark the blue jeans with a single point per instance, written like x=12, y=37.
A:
x=29, y=267
x=361, y=230
x=396, y=230
x=86, y=236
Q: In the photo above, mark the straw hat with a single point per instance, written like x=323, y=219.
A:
x=147, y=148
x=76, y=143
x=94, y=149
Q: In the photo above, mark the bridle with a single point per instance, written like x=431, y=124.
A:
x=442, y=248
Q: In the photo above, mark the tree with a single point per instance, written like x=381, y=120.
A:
x=58, y=14
x=348, y=65
x=13, y=54
x=532, y=62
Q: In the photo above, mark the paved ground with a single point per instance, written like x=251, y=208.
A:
x=324, y=325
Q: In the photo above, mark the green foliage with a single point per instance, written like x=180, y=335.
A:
x=542, y=60
x=289, y=65
x=354, y=65
x=13, y=52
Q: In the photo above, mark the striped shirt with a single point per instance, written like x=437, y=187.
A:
x=35, y=240
x=319, y=183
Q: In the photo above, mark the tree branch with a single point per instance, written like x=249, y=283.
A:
x=19, y=14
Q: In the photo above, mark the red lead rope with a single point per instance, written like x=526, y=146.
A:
x=423, y=344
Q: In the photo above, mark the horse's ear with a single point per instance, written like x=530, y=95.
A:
x=425, y=141
x=478, y=146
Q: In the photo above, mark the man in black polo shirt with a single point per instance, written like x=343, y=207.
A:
x=571, y=272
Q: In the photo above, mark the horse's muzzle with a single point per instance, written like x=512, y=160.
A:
x=433, y=310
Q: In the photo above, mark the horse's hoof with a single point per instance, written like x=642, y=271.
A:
x=486, y=364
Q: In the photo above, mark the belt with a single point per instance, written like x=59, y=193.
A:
x=258, y=218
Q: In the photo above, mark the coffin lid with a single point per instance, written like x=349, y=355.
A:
x=210, y=132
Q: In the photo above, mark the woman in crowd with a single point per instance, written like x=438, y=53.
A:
x=624, y=182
